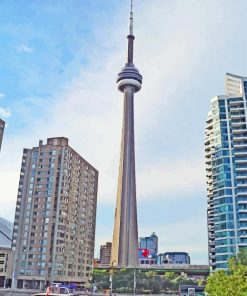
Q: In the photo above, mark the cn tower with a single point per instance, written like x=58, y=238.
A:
x=125, y=235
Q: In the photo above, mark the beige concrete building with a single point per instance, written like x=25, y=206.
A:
x=105, y=254
x=125, y=234
x=6, y=254
x=54, y=227
x=6, y=266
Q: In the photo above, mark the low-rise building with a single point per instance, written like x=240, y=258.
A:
x=6, y=254
x=173, y=258
x=6, y=267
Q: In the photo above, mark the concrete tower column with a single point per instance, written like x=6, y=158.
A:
x=125, y=235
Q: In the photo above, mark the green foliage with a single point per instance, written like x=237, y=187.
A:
x=155, y=286
x=101, y=278
x=146, y=282
x=200, y=282
x=170, y=275
x=234, y=282
x=242, y=257
x=150, y=274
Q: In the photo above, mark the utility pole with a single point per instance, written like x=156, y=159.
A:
x=134, y=291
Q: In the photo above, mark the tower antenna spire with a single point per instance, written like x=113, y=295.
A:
x=131, y=18
x=131, y=37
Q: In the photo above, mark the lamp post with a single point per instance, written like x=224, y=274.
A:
x=111, y=285
x=134, y=290
x=111, y=277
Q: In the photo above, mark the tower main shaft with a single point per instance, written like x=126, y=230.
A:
x=125, y=235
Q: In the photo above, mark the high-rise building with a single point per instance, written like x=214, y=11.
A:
x=54, y=226
x=149, y=243
x=125, y=235
x=105, y=254
x=226, y=171
x=2, y=125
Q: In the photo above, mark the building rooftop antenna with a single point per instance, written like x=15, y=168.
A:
x=131, y=18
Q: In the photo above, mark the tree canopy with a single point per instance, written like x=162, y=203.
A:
x=146, y=282
x=231, y=282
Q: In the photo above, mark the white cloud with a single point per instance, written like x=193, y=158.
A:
x=2, y=95
x=24, y=48
x=5, y=112
x=9, y=184
x=171, y=177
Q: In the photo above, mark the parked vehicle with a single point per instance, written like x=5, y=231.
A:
x=55, y=291
x=188, y=290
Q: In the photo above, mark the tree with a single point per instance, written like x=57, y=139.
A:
x=101, y=278
x=233, y=282
x=242, y=257
x=155, y=286
x=150, y=274
x=169, y=275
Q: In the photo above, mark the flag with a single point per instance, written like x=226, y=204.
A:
x=144, y=253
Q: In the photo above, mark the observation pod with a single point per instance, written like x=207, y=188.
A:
x=129, y=76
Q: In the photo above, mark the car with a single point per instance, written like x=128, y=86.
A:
x=55, y=291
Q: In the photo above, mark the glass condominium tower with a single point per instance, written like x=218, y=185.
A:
x=226, y=172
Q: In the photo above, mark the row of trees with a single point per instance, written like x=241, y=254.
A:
x=146, y=282
x=231, y=282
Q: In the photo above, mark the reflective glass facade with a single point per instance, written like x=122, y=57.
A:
x=226, y=171
x=150, y=243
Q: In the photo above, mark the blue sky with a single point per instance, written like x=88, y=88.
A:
x=58, y=64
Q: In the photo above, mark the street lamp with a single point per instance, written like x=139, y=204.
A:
x=111, y=277
x=134, y=291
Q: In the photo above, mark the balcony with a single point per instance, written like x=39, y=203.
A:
x=241, y=193
x=236, y=103
x=237, y=115
x=243, y=220
x=243, y=202
x=238, y=137
x=240, y=169
x=242, y=185
x=240, y=145
x=241, y=152
x=239, y=160
x=212, y=243
x=238, y=131
x=238, y=124
x=241, y=177
x=242, y=211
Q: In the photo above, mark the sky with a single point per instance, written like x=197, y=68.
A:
x=58, y=65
